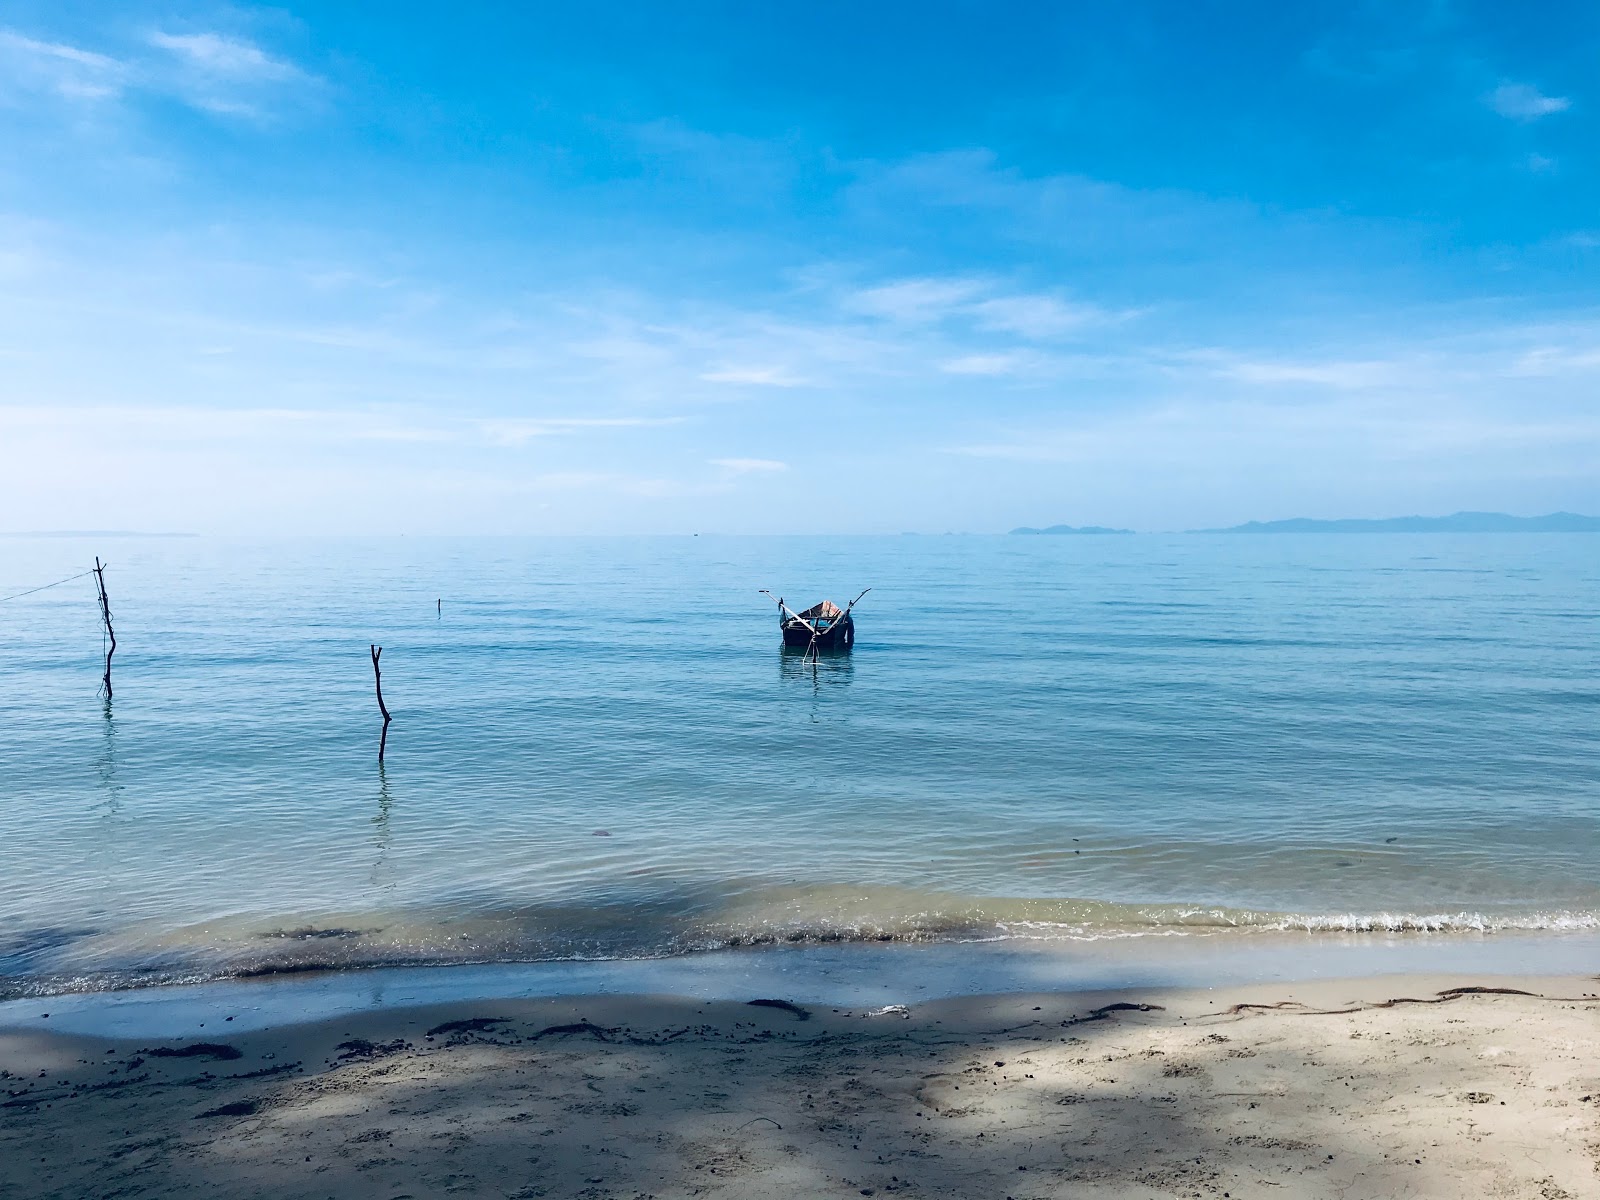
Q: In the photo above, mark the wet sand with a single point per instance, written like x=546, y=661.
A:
x=1380, y=1087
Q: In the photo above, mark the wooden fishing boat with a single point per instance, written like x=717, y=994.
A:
x=823, y=626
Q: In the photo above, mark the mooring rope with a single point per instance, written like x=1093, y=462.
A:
x=57, y=583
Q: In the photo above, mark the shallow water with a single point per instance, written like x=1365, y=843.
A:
x=600, y=750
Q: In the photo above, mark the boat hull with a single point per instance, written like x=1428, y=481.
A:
x=840, y=635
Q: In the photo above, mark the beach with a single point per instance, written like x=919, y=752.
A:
x=916, y=600
x=1387, y=1086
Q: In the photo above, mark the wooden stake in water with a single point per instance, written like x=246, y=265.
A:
x=377, y=683
x=105, y=616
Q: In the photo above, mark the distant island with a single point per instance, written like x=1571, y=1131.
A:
x=1055, y=529
x=1461, y=522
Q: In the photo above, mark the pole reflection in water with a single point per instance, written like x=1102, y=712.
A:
x=106, y=763
x=382, y=835
x=110, y=839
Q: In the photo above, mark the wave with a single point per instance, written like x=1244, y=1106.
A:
x=53, y=961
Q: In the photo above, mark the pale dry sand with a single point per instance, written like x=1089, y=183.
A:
x=1341, y=1090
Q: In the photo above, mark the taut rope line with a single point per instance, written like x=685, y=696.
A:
x=57, y=583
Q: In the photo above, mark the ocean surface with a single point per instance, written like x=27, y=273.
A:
x=599, y=749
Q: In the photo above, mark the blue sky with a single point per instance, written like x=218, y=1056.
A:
x=523, y=268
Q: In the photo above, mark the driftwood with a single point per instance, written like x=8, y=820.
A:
x=105, y=616
x=377, y=683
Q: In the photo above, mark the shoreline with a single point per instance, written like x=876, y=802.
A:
x=835, y=974
x=1430, y=1086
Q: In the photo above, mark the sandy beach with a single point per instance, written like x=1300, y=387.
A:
x=1444, y=1087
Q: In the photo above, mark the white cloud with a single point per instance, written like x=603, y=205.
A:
x=915, y=301
x=1552, y=361
x=1429, y=422
x=727, y=164
x=67, y=71
x=1094, y=219
x=1039, y=317
x=982, y=364
x=225, y=75
x=479, y=390
x=979, y=303
x=517, y=431
x=177, y=424
x=1524, y=102
x=226, y=57
x=209, y=71
x=779, y=377
x=1318, y=374
x=1198, y=436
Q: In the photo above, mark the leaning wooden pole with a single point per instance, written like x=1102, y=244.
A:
x=105, y=616
x=377, y=683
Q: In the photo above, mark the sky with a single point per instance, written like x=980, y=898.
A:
x=599, y=268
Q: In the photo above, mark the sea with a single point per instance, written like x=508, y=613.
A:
x=600, y=749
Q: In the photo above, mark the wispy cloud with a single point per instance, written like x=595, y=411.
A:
x=1524, y=102
x=214, y=72
x=225, y=74
x=225, y=57
x=187, y=423
x=779, y=377
x=733, y=166
x=1553, y=361
x=517, y=431
x=982, y=364
x=1039, y=317
x=1095, y=218
x=1326, y=439
x=1334, y=374
x=55, y=67
x=915, y=301
x=745, y=466
x=1427, y=417
x=983, y=304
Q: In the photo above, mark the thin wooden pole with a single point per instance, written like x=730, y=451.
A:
x=105, y=615
x=377, y=683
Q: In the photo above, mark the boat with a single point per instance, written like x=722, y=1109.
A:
x=823, y=626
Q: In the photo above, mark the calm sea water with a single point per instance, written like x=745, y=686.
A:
x=600, y=750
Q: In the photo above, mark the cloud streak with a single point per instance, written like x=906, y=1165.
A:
x=747, y=466
x=981, y=304
x=214, y=72
x=55, y=67
x=1524, y=102
x=751, y=376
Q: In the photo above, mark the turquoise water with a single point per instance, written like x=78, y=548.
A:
x=599, y=749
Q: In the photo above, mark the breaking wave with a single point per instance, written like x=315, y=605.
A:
x=53, y=961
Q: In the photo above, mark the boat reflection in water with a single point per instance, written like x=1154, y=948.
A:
x=798, y=662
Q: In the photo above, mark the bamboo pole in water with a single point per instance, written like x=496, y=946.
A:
x=105, y=616
x=377, y=683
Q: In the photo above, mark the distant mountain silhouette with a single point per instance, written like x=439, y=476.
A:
x=1461, y=522
x=1071, y=529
